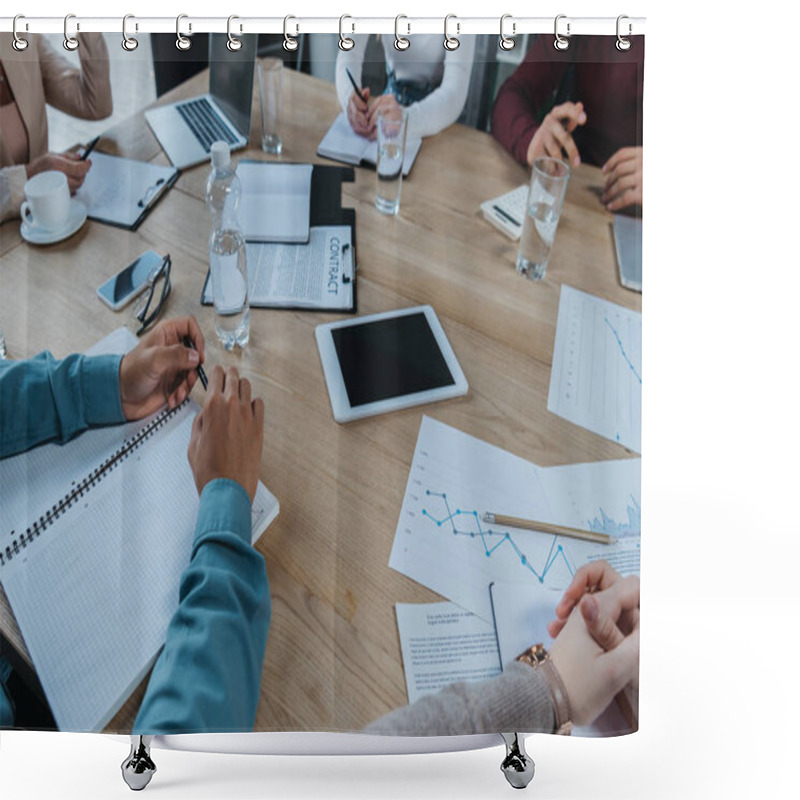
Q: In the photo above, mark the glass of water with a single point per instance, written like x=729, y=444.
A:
x=548, y=188
x=391, y=150
x=270, y=84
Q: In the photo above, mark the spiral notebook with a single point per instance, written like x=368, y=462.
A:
x=95, y=536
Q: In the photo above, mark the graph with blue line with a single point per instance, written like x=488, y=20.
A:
x=492, y=540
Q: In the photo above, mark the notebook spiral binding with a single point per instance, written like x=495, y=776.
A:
x=128, y=446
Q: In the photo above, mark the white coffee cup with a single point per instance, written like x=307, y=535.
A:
x=47, y=206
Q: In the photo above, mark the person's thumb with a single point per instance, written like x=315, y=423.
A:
x=602, y=628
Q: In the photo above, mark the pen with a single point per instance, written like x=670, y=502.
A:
x=201, y=373
x=506, y=216
x=355, y=85
x=89, y=148
x=546, y=527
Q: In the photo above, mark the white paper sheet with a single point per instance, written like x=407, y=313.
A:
x=442, y=542
x=276, y=201
x=443, y=644
x=596, y=377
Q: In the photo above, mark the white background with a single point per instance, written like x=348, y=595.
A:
x=720, y=603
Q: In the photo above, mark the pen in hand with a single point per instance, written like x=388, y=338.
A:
x=201, y=373
x=89, y=147
x=355, y=85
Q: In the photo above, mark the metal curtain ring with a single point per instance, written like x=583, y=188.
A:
x=451, y=42
x=233, y=44
x=128, y=42
x=182, y=42
x=561, y=42
x=623, y=44
x=507, y=42
x=400, y=42
x=70, y=42
x=289, y=43
x=19, y=44
x=345, y=42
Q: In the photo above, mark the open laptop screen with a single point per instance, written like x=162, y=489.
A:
x=231, y=80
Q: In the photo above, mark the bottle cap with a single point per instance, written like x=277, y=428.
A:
x=220, y=155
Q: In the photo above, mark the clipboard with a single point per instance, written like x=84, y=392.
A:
x=325, y=212
x=123, y=191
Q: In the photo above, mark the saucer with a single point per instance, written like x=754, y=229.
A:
x=36, y=235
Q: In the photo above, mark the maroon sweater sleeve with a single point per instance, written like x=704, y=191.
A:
x=607, y=82
x=521, y=101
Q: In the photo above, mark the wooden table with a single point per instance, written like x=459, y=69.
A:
x=333, y=657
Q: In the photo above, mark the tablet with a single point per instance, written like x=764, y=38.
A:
x=387, y=361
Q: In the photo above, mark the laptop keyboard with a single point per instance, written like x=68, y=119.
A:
x=204, y=123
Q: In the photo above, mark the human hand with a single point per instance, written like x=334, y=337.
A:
x=227, y=434
x=160, y=369
x=597, y=577
x=592, y=677
x=554, y=136
x=623, y=173
x=68, y=163
x=358, y=113
x=387, y=105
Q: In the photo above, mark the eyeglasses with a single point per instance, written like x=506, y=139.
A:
x=143, y=313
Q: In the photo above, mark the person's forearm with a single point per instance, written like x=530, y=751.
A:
x=517, y=700
x=443, y=106
x=84, y=92
x=43, y=399
x=208, y=676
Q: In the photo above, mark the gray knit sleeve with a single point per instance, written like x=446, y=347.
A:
x=518, y=700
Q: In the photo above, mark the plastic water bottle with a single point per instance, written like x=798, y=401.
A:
x=227, y=255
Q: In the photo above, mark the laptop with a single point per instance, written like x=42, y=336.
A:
x=187, y=129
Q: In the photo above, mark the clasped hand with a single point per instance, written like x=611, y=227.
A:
x=596, y=647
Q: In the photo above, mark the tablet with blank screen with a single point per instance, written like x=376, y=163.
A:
x=388, y=361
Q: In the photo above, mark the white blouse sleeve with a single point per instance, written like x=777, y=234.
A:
x=444, y=104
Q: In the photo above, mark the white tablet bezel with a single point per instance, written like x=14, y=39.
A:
x=340, y=405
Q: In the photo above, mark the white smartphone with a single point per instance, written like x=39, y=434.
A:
x=129, y=282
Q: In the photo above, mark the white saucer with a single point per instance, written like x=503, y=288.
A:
x=36, y=235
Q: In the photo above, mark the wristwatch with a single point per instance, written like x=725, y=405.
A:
x=536, y=656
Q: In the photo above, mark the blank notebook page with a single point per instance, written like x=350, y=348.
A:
x=94, y=594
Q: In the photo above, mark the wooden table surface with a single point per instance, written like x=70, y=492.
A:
x=333, y=657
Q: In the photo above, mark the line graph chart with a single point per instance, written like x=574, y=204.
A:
x=596, y=376
x=503, y=538
x=442, y=542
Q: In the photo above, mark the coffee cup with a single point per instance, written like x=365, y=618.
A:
x=47, y=204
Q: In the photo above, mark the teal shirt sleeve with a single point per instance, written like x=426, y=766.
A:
x=207, y=678
x=43, y=400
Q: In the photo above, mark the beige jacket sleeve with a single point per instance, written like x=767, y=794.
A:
x=84, y=92
x=12, y=191
x=39, y=75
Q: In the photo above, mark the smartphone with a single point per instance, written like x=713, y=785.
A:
x=129, y=282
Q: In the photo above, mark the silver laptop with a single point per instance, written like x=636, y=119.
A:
x=187, y=129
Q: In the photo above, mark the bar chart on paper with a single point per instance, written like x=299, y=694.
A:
x=442, y=542
x=596, y=377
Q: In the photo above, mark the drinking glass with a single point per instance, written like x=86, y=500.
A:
x=548, y=187
x=270, y=84
x=391, y=151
